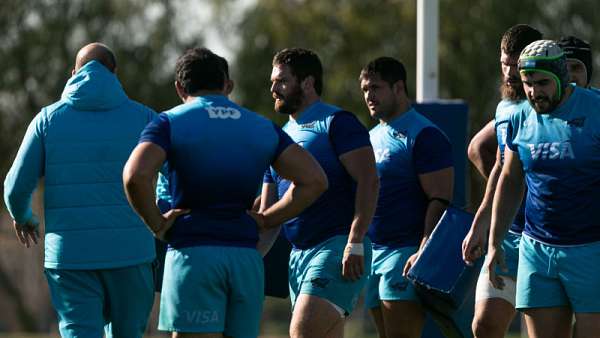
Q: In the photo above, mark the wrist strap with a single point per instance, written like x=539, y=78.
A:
x=357, y=249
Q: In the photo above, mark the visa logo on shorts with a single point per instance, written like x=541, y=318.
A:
x=223, y=113
x=202, y=316
x=382, y=155
x=551, y=151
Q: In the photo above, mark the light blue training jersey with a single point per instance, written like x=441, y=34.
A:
x=327, y=132
x=503, y=112
x=217, y=153
x=406, y=147
x=560, y=153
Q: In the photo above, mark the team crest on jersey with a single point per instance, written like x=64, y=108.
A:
x=399, y=134
x=320, y=283
x=382, y=155
x=551, y=151
x=223, y=113
x=576, y=122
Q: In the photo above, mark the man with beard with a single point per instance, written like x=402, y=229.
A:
x=414, y=163
x=494, y=308
x=555, y=149
x=213, y=279
x=331, y=255
x=579, y=61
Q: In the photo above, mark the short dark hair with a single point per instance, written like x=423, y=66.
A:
x=303, y=63
x=224, y=66
x=200, y=69
x=518, y=37
x=389, y=70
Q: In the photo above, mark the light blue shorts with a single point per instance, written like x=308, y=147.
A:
x=318, y=271
x=511, y=255
x=386, y=281
x=551, y=276
x=91, y=303
x=510, y=245
x=212, y=289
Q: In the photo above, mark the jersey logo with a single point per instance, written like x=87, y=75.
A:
x=399, y=134
x=399, y=286
x=551, y=151
x=577, y=122
x=223, y=113
x=202, y=316
x=320, y=283
x=382, y=155
x=310, y=125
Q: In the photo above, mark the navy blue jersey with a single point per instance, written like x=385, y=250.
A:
x=326, y=132
x=406, y=147
x=503, y=112
x=217, y=153
x=560, y=153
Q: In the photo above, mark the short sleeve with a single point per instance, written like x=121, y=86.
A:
x=347, y=133
x=432, y=151
x=268, y=177
x=284, y=141
x=510, y=132
x=158, y=131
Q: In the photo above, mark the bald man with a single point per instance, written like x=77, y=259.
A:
x=98, y=253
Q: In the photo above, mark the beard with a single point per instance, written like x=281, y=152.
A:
x=544, y=104
x=513, y=90
x=289, y=104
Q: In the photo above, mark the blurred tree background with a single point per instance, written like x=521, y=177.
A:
x=39, y=40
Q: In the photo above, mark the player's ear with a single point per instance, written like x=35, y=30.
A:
x=183, y=95
x=398, y=87
x=308, y=83
x=229, y=85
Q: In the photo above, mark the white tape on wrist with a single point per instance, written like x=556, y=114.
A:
x=357, y=249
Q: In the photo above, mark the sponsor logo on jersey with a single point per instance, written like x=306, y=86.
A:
x=223, y=113
x=310, y=125
x=551, y=151
x=382, y=155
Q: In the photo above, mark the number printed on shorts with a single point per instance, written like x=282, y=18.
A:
x=223, y=113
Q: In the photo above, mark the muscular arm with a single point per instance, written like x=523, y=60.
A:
x=138, y=179
x=360, y=164
x=507, y=199
x=476, y=239
x=482, y=149
x=308, y=182
x=267, y=198
x=437, y=184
